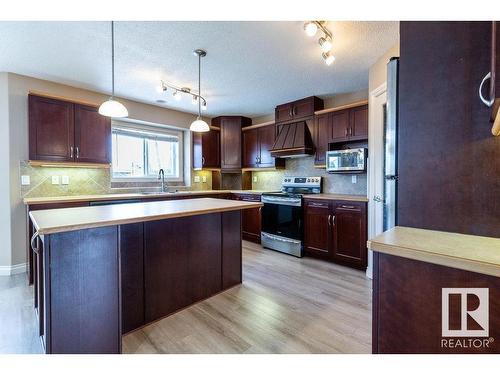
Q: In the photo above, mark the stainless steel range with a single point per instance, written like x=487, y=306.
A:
x=282, y=214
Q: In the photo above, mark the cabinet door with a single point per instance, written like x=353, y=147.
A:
x=251, y=148
x=340, y=125
x=283, y=112
x=51, y=129
x=92, y=135
x=231, y=142
x=323, y=137
x=210, y=149
x=349, y=233
x=267, y=136
x=303, y=108
x=317, y=222
x=359, y=123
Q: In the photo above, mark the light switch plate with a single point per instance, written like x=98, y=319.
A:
x=354, y=179
x=254, y=178
x=65, y=180
x=55, y=180
x=196, y=178
x=204, y=179
x=25, y=180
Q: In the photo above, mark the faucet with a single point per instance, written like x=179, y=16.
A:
x=161, y=176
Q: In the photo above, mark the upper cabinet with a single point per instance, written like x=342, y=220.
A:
x=342, y=125
x=206, y=149
x=63, y=131
x=298, y=109
x=230, y=139
x=257, y=143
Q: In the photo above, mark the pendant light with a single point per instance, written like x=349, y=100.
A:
x=199, y=125
x=112, y=107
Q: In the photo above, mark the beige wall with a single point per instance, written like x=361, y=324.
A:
x=378, y=71
x=5, y=253
x=14, y=127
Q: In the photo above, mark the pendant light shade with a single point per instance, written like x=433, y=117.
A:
x=199, y=125
x=112, y=107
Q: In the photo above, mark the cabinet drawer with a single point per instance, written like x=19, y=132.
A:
x=348, y=205
x=247, y=197
x=317, y=204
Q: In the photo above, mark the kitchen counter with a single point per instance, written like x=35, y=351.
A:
x=70, y=219
x=423, y=283
x=466, y=252
x=105, y=197
x=340, y=197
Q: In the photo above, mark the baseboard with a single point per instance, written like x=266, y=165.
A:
x=12, y=270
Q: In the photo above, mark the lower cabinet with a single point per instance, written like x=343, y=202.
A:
x=336, y=231
x=250, y=219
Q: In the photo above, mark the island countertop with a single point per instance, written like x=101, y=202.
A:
x=69, y=219
x=467, y=252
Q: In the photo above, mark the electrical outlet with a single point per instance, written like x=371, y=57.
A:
x=354, y=179
x=55, y=180
x=204, y=179
x=196, y=178
x=65, y=180
x=25, y=180
x=254, y=178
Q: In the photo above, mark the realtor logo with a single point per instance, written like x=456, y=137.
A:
x=465, y=312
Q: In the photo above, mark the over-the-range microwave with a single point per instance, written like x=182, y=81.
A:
x=346, y=161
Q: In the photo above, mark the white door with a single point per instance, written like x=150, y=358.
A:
x=377, y=118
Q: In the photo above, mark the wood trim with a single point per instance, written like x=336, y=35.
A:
x=261, y=125
x=62, y=164
x=63, y=98
x=340, y=108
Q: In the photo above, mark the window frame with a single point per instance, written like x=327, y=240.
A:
x=133, y=126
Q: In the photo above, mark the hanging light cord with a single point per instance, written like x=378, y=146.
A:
x=199, y=85
x=112, y=59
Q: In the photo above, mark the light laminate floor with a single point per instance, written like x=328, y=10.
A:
x=285, y=305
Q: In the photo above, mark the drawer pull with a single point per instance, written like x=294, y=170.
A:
x=348, y=207
x=34, y=239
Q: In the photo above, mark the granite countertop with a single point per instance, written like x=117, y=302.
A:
x=344, y=197
x=466, y=252
x=69, y=219
x=104, y=197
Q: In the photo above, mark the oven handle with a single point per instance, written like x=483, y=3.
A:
x=291, y=202
x=281, y=239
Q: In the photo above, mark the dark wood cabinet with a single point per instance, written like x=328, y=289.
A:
x=359, y=123
x=51, y=129
x=250, y=218
x=257, y=143
x=317, y=222
x=63, y=131
x=349, y=225
x=230, y=140
x=336, y=231
x=298, y=109
x=323, y=136
x=92, y=135
x=206, y=149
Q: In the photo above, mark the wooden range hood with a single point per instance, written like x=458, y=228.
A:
x=294, y=140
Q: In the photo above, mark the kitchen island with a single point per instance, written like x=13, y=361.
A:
x=435, y=292
x=103, y=271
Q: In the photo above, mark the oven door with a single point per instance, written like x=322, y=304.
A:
x=282, y=217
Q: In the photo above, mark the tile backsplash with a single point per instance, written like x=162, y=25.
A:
x=90, y=181
x=332, y=183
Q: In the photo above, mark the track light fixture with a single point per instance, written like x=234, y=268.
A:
x=177, y=93
x=325, y=41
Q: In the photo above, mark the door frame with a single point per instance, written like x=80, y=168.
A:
x=375, y=162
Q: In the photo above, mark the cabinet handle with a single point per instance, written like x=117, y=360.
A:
x=290, y=112
x=294, y=111
x=346, y=132
x=487, y=102
x=32, y=243
x=329, y=220
x=202, y=160
x=77, y=152
x=71, y=152
x=333, y=220
x=349, y=207
x=312, y=204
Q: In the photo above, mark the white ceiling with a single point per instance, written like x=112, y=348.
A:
x=250, y=66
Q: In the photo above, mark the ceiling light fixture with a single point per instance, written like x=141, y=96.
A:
x=199, y=125
x=112, y=107
x=325, y=41
x=178, y=91
x=176, y=95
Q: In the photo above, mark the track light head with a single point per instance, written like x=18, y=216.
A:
x=311, y=28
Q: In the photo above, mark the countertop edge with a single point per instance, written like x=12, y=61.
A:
x=131, y=220
x=464, y=264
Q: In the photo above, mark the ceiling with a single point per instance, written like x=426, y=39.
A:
x=250, y=67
